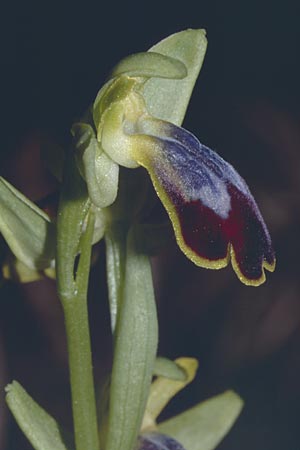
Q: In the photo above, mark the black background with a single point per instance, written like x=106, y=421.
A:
x=54, y=58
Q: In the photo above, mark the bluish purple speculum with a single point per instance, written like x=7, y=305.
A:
x=211, y=207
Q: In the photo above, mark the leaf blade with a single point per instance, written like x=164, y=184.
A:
x=27, y=230
x=40, y=428
x=134, y=353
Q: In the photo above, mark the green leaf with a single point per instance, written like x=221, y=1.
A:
x=204, y=426
x=135, y=344
x=27, y=230
x=168, y=99
x=150, y=65
x=39, y=427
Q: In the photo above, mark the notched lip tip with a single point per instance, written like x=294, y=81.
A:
x=270, y=266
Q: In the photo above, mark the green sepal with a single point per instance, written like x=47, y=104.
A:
x=27, y=229
x=135, y=344
x=99, y=171
x=147, y=65
x=42, y=431
x=205, y=425
x=168, y=99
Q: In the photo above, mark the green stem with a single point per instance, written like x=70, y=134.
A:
x=81, y=377
x=79, y=351
x=74, y=213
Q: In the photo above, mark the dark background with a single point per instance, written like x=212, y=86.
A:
x=54, y=58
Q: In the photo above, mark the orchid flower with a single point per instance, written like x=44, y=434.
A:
x=214, y=216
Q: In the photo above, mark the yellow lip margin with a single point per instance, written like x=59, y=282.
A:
x=189, y=253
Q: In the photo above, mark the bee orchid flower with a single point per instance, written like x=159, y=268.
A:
x=214, y=216
x=135, y=122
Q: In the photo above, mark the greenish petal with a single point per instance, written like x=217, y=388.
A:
x=205, y=425
x=27, y=230
x=168, y=99
x=149, y=65
x=39, y=427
